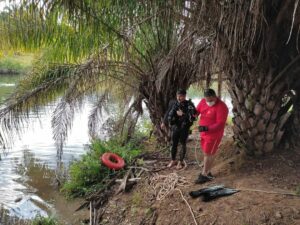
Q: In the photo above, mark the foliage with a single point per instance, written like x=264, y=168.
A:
x=39, y=220
x=17, y=63
x=298, y=190
x=127, y=51
x=87, y=173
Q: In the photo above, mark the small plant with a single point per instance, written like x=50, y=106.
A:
x=298, y=190
x=39, y=220
x=87, y=174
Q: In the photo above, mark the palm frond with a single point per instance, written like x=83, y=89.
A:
x=62, y=119
x=96, y=117
x=32, y=92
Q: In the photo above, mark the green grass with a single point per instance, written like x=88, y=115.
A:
x=298, y=190
x=19, y=63
x=39, y=220
x=229, y=120
x=87, y=173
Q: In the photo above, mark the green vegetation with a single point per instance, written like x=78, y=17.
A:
x=16, y=63
x=39, y=220
x=87, y=173
x=298, y=190
x=229, y=120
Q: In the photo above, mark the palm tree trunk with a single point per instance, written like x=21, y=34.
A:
x=295, y=126
x=259, y=114
x=292, y=136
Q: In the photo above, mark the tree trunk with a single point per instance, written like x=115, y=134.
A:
x=292, y=136
x=262, y=68
x=259, y=114
x=295, y=126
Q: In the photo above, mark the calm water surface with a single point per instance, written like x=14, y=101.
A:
x=27, y=171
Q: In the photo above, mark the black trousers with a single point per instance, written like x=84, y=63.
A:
x=179, y=135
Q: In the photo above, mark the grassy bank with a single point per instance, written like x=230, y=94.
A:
x=15, y=63
x=39, y=220
x=87, y=173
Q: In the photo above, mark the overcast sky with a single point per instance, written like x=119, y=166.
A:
x=3, y=3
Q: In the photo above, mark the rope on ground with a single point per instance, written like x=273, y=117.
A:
x=188, y=205
x=163, y=185
x=268, y=192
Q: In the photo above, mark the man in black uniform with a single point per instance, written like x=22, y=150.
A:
x=180, y=116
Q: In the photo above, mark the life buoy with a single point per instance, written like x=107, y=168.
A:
x=112, y=161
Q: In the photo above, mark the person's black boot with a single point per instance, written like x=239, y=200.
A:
x=202, y=179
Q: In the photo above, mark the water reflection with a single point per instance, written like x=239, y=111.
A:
x=28, y=169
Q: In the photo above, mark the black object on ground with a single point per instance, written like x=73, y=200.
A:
x=213, y=192
x=210, y=175
x=195, y=194
x=219, y=193
x=202, y=179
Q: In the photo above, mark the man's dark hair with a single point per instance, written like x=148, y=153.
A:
x=181, y=92
x=209, y=93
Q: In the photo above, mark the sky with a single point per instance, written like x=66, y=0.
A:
x=3, y=3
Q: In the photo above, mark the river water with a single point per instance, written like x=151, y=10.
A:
x=27, y=170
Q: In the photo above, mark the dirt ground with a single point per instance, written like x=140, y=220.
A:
x=279, y=172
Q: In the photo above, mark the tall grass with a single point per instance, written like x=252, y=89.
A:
x=87, y=174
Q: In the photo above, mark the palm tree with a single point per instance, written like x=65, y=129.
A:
x=256, y=45
x=141, y=50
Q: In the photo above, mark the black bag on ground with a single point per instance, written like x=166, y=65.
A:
x=213, y=192
x=195, y=194
x=208, y=196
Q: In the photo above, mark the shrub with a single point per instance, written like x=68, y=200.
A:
x=87, y=174
x=39, y=220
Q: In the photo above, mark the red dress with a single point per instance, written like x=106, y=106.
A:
x=214, y=117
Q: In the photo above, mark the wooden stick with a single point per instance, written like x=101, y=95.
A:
x=138, y=167
x=131, y=179
x=91, y=219
x=124, y=182
x=186, y=202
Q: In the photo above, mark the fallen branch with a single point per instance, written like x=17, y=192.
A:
x=123, y=184
x=130, y=180
x=138, y=167
x=186, y=202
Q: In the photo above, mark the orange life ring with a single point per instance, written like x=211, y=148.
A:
x=112, y=161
